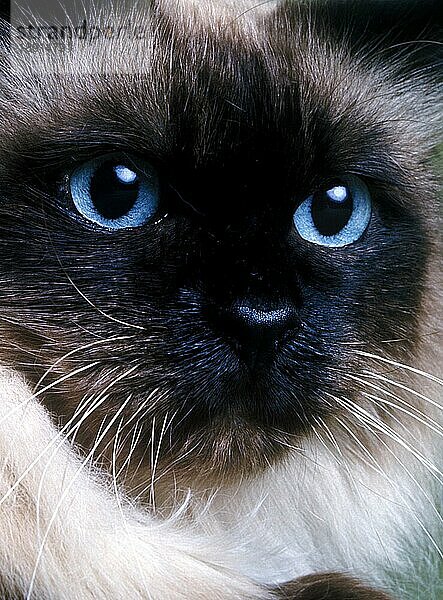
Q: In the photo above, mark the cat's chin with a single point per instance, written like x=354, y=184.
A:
x=223, y=453
x=247, y=427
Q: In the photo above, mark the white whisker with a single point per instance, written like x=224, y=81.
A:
x=401, y=405
x=62, y=435
x=402, y=386
x=367, y=418
x=66, y=491
x=75, y=351
x=400, y=365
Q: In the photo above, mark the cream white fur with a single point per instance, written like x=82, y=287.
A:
x=64, y=534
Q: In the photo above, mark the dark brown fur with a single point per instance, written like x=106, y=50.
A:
x=330, y=586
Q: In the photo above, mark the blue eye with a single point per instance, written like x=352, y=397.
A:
x=115, y=191
x=336, y=216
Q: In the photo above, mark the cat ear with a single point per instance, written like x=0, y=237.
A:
x=409, y=19
x=399, y=28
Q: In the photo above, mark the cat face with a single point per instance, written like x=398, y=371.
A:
x=194, y=255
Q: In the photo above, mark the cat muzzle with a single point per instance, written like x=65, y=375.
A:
x=258, y=330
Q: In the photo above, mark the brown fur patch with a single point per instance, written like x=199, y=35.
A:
x=330, y=586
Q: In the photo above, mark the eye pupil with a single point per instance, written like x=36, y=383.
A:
x=114, y=190
x=331, y=209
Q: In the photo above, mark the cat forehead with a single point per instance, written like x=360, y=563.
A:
x=188, y=45
x=213, y=63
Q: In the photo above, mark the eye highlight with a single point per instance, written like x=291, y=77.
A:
x=115, y=191
x=336, y=216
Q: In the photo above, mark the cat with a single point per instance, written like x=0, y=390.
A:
x=220, y=305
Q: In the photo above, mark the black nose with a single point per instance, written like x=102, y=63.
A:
x=257, y=328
